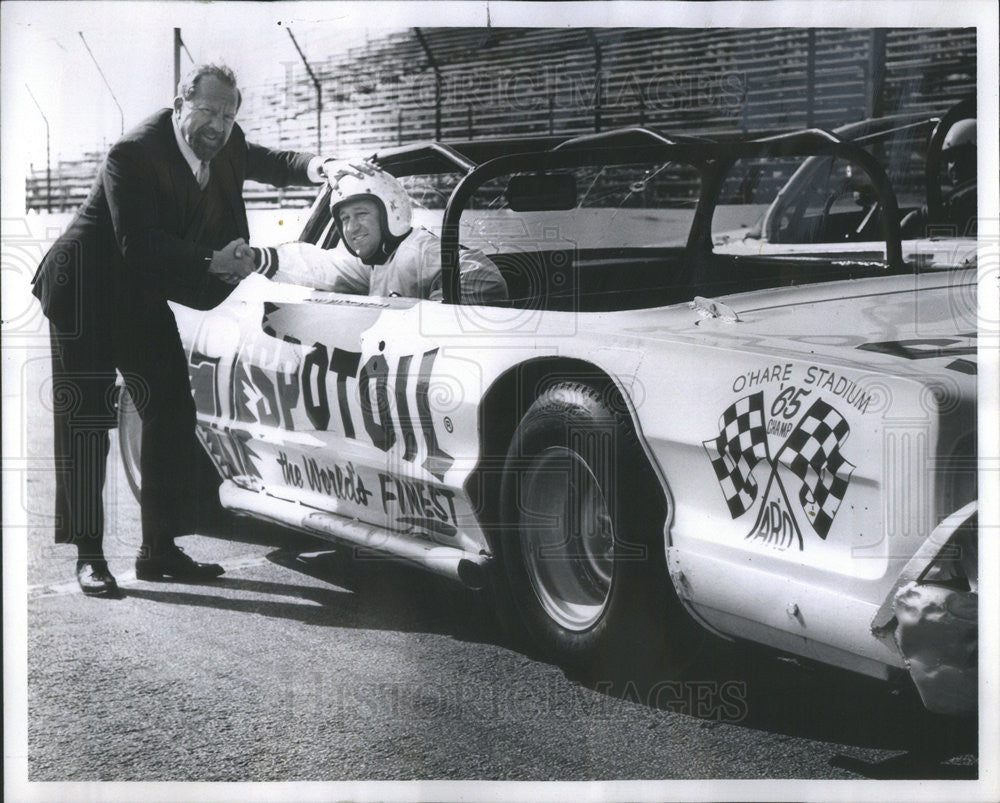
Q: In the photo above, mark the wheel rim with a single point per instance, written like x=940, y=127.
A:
x=130, y=440
x=567, y=538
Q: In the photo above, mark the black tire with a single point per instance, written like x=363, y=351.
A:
x=581, y=540
x=204, y=513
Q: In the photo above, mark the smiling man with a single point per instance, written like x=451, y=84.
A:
x=163, y=221
x=206, y=119
x=381, y=253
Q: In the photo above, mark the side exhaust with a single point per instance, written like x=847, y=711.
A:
x=463, y=567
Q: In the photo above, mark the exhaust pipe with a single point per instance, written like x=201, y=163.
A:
x=467, y=568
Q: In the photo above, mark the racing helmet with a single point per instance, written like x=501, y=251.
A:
x=352, y=181
x=959, y=150
x=959, y=136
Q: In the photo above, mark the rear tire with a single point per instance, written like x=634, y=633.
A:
x=581, y=543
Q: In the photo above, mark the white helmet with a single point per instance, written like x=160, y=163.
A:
x=960, y=134
x=350, y=181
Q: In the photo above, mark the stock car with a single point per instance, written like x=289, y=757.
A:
x=726, y=395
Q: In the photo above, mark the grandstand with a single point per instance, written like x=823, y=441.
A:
x=485, y=83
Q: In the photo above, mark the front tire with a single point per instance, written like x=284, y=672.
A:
x=130, y=440
x=203, y=512
x=582, y=534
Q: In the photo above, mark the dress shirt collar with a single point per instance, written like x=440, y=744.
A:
x=189, y=155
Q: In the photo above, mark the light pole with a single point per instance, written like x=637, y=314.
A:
x=598, y=77
x=178, y=46
x=48, y=164
x=319, y=94
x=104, y=78
x=437, y=80
x=177, y=60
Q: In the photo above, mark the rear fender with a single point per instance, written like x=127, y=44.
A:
x=932, y=622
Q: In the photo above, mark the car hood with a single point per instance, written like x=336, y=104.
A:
x=915, y=325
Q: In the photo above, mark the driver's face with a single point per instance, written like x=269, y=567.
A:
x=362, y=228
x=960, y=167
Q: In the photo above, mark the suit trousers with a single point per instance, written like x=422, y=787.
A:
x=83, y=382
x=143, y=344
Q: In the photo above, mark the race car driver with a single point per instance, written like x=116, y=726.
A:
x=381, y=253
x=959, y=152
x=958, y=205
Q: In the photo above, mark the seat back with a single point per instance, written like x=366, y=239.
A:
x=596, y=280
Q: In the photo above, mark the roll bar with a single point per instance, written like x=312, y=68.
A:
x=633, y=135
x=713, y=160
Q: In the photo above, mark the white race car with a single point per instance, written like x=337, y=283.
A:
x=681, y=421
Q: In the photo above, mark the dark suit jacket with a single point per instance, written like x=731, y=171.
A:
x=131, y=242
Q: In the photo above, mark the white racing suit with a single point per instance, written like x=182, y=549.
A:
x=413, y=270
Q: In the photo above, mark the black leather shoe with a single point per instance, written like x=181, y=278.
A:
x=95, y=580
x=173, y=563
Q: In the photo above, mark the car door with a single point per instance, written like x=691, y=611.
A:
x=326, y=401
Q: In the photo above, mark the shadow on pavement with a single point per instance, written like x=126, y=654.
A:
x=754, y=688
x=366, y=594
x=244, y=530
x=742, y=685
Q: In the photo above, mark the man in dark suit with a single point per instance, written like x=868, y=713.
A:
x=163, y=221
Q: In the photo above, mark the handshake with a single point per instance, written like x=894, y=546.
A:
x=234, y=262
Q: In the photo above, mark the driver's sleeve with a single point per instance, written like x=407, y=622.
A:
x=481, y=281
x=335, y=269
x=481, y=278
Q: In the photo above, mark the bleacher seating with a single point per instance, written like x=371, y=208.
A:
x=501, y=82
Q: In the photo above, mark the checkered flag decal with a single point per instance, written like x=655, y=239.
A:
x=741, y=444
x=815, y=458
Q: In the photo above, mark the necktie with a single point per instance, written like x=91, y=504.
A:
x=202, y=175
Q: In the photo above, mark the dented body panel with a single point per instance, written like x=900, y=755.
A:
x=932, y=621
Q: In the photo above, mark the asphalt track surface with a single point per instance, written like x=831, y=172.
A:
x=303, y=663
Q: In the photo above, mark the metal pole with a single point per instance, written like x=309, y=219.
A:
x=319, y=94
x=876, y=74
x=177, y=60
x=437, y=81
x=810, y=77
x=104, y=78
x=178, y=46
x=48, y=163
x=598, y=77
